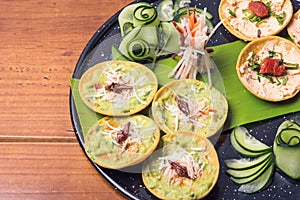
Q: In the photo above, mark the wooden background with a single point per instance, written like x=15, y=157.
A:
x=40, y=43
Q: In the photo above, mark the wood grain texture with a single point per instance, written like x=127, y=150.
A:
x=40, y=43
x=46, y=170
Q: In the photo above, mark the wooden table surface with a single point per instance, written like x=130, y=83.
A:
x=40, y=43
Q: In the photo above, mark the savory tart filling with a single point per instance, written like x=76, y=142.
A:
x=117, y=142
x=294, y=28
x=250, y=19
x=189, y=105
x=186, y=167
x=270, y=68
x=118, y=88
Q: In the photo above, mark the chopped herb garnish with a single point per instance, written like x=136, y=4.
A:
x=246, y=10
x=273, y=53
x=253, y=18
x=260, y=22
x=268, y=4
x=291, y=66
x=269, y=77
x=280, y=18
x=284, y=80
x=254, y=66
x=279, y=81
x=232, y=13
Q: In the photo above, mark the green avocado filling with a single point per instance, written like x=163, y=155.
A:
x=119, y=88
x=103, y=147
x=190, y=106
x=162, y=181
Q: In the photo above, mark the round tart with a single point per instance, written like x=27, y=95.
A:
x=269, y=68
x=294, y=28
x=118, y=142
x=186, y=166
x=118, y=88
x=189, y=105
x=248, y=21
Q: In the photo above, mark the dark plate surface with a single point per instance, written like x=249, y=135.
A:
x=130, y=184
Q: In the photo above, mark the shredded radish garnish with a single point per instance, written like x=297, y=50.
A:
x=197, y=111
x=128, y=87
x=183, y=159
x=131, y=142
x=193, y=55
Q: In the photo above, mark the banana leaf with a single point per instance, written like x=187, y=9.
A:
x=243, y=106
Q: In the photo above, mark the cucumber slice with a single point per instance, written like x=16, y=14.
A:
x=145, y=14
x=169, y=39
x=245, y=173
x=140, y=40
x=117, y=55
x=246, y=163
x=249, y=142
x=258, y=171
x=129, y=37
x=181, y=4
x=126, y=19
x=289, y=137
x=260, y=183
x=165, y=10
x=137, y=14
x=287, y=149
x=244, y=152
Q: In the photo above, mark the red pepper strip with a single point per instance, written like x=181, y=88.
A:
x=178, y=28
x=272, y=66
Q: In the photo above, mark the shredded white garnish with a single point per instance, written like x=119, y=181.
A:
x=197, y=110
x=185, y=159
x=114, y=75
x=194, y=37
x=133, y=139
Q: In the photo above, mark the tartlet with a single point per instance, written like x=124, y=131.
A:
x=118, y=142
x=239, y=20
x=185, y=166
x=118, y=88
x=189, y=105
x=283, y=81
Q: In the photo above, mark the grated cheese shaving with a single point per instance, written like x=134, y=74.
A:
x=134, y=136
x=198, y=110
x=194, y=167
x=116, y=76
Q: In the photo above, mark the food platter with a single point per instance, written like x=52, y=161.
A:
x=129, y=182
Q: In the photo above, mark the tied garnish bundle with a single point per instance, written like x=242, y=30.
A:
x=194, y=35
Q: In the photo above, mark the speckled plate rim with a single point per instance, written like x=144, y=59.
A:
x=94, y=40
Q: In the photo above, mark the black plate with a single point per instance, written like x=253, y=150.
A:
x=130, y=184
